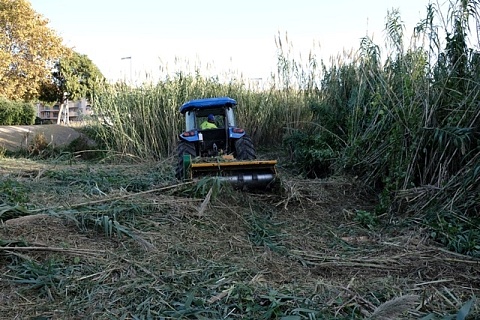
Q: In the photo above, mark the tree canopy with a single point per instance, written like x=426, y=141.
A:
x=77, y=75
x=28, y=50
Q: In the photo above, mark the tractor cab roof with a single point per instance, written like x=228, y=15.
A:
x=207, y=103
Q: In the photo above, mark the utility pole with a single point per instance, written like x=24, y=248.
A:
x=129, y=58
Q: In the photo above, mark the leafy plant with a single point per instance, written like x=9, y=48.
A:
x=313, y=154
x=110, y=226
x=47, y=278
x=83, y=148
x=12, y=191
x=16, y=113
x=213, y=185
x=263, y=232
x=456, y=234
x=366, y=219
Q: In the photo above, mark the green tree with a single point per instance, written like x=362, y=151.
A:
x=77, y=75
x=28, y=49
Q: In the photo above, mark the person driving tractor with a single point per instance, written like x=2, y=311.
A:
x=209, y=123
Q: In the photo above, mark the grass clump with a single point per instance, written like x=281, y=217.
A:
x=48, y=279
x=13, y=192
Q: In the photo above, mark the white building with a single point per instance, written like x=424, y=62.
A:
x=75, y=111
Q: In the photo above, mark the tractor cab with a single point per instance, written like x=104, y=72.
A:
x=212, y=141
x=197, y=111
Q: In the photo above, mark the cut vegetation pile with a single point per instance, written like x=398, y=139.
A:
x=125, y=242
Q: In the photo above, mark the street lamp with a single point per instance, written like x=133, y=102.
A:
x=129, y=58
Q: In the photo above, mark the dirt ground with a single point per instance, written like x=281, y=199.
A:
x=14, y=138
x=247, y=254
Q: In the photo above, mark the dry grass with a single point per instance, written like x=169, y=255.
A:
x=229, y=254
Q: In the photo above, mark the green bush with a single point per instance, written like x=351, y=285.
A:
x=27, y=114
x=16, y=113
x=313, y=154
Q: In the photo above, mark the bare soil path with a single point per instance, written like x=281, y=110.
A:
x=14, y=138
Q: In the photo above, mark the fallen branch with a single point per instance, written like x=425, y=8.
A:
x=114, y=198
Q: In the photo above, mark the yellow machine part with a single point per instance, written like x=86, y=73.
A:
x=249, y=173
x=235, y=164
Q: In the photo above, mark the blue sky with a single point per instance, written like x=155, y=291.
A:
x=220, y=36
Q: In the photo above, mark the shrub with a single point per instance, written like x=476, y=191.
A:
x=39, y=145
x=16, y=113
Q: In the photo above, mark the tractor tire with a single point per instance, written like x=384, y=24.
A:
x=183, y=147
x=244, y=149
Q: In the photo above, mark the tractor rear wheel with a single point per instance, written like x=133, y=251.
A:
x=183, y=148
x=244, y=149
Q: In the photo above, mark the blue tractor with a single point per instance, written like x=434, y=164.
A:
x=212, y=145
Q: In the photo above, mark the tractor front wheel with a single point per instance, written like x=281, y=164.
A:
x=244, y=149
x=183, y=148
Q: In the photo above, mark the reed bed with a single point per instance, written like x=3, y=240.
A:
x=144, y=121
x=405, y=119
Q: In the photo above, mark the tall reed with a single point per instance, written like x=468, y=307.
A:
x=145, y=120
x=407, y=124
